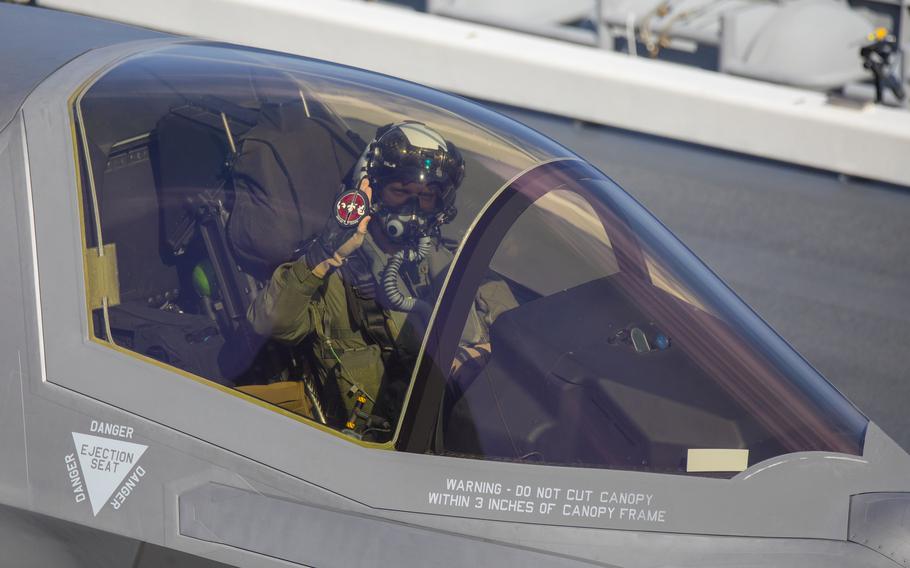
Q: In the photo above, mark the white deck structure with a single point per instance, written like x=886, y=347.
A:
x=782, y=123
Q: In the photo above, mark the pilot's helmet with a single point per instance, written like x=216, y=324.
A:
x=410, y=151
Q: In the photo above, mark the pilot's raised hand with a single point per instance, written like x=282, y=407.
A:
x=356, y=240
x=351, y=244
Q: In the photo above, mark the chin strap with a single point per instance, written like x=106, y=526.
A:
x=396, y=297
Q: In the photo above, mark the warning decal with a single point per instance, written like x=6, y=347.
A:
x=105, y=463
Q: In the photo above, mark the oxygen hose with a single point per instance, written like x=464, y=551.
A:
x=398, y=299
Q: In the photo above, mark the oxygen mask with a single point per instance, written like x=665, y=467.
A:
x=405, y=224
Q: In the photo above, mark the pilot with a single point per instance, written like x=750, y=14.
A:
x=359, y=300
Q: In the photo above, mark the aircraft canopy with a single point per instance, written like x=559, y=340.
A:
x=565, y=325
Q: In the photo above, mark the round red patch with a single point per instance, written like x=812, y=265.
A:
x=350, y=207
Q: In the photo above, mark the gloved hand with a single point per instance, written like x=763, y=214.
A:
x=337, y=242
x=470, y=356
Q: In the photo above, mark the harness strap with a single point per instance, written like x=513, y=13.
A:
x=369, y=317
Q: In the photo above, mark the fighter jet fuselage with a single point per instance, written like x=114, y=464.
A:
x=211, y=351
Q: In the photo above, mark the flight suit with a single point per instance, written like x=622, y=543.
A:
x=351, y=347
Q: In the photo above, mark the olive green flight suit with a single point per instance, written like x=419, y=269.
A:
x=297, y=305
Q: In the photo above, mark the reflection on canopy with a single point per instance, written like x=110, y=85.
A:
x=208, y=168
x=623, y=351
x=573, y=329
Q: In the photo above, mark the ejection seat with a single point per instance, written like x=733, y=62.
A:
x=194, y=146
x=239, y=200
